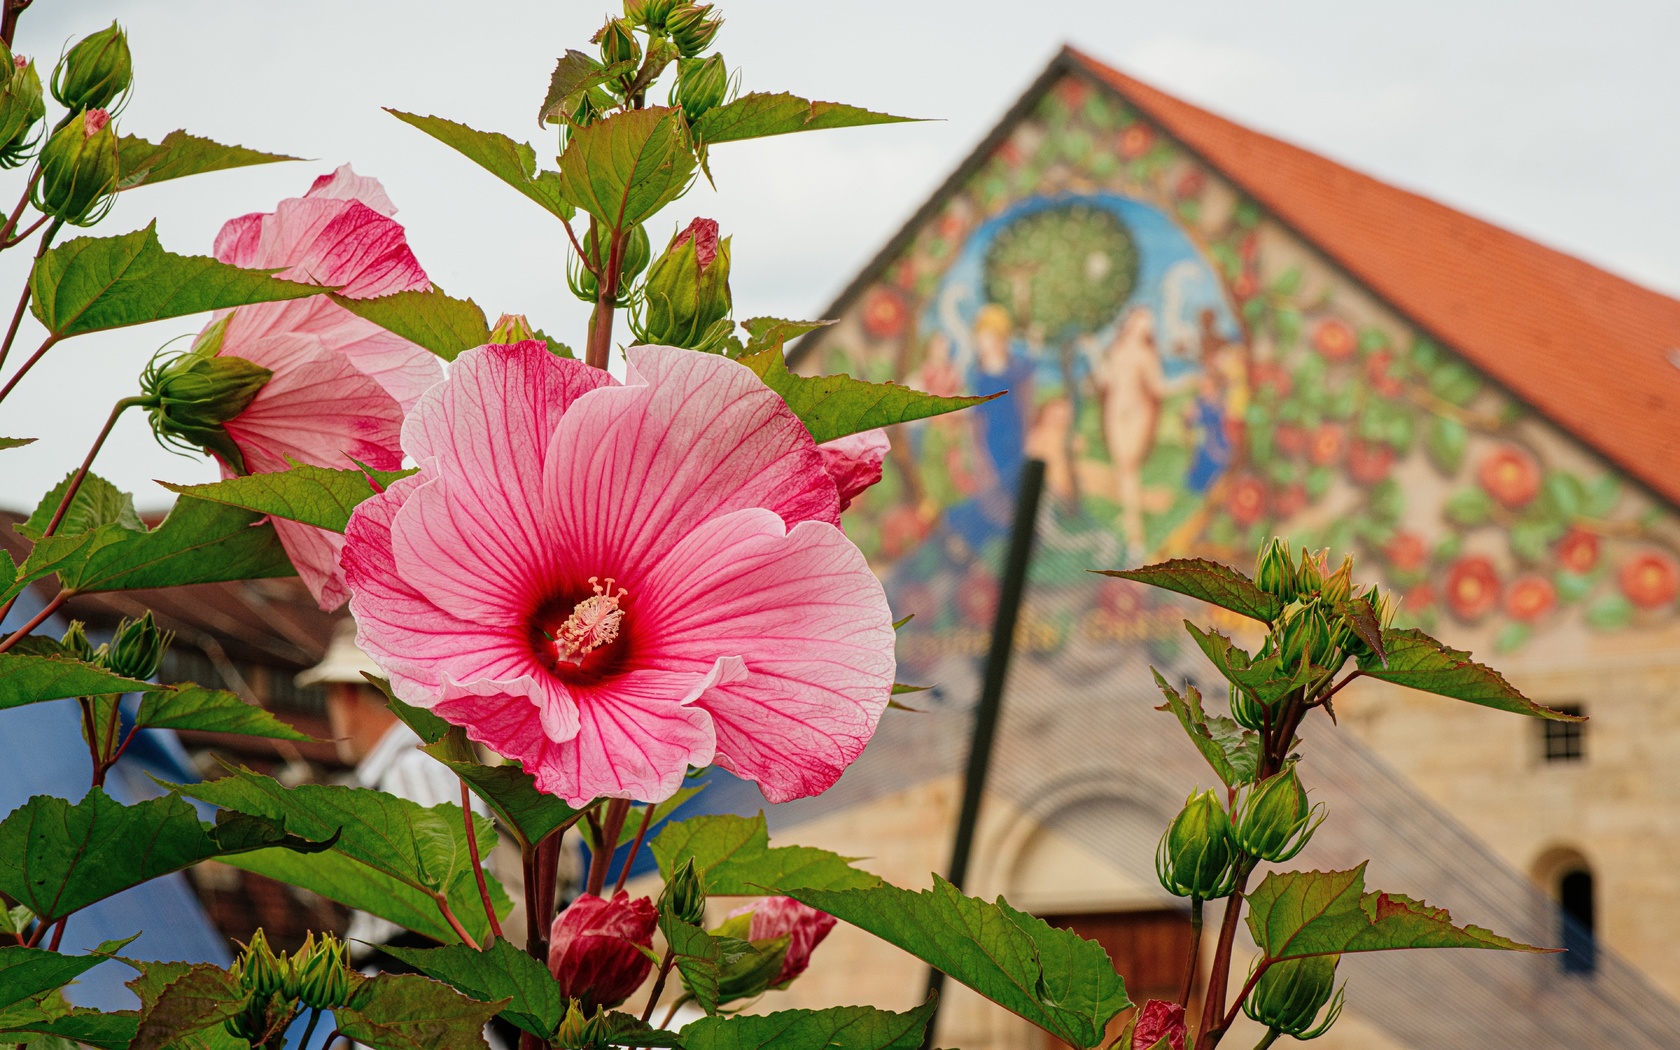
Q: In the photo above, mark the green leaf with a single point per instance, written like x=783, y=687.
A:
x=427, y=726
x=1232, y=751
x=839, y=1028
x=212, y=711
x=92, y=284
x=1064, y=984
x=574, y=72
x=511, y=793
x=6, y=443
x=316, y=496
x=700, y=958
x=625, y=168
x=834, y=406
x=97, y=502
x=514, y=163
x=500, y=972
x=772, y=333
x=738, y=861
x=1210, y=581
x=442, y=324
x=201, y=998
x=409, y=855
x=1301, y=913
x=30, y=679
x=141, y=163
x=114, y=1031
x=1362, y=621
x=56, y=858
x=760, y=113
x=410, y=1012
x=28, y=972
x=1263, y=679
x=1417, y=661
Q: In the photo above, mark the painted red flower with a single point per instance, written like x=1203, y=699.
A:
x=901, y=530
x=1511, y=476
x=1289, y=501
x=1135, y=141
x=1269, y=373
x=1249, y=249
x=1529, y=598
x=1577, y=552
x=1119, y=598
x=1368, y=462
x=1245, y=286
x=1329, y=441
x=1292, y=440
x=1247, y=501
x=1190, y=184
x=977, y=599
x=1472, y=587
x=1009, y=154
x=1650, y=579
x=1379, y=372
x=1419, y=598
x=1406, y=552
x=1334, y=339
x=1073, y=92
x=885, y=314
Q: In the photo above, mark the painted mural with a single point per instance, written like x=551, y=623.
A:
x=1196, y=380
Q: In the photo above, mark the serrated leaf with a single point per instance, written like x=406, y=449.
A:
x=92, y=284
x=56, y=858
x=514, y=163
x=1209, y=581
x=1264, y=679
x=759, y=114
x=28, y=972
x=772, y=333
x=441, y=323
x=1064, y=984
x=6, y=443
x=1362, y=621
x=199, y=542
x=736, y=856
x=97, y=502
x=1303, y=913
x=625, y=168
x=107, y=1031
x=410, y=1012
x=700, y=958
x=142, y=163
x=210, y=711
x=500, y=972
x=317, y=496
x=838, y=1028
x=574, y=72
x=1417, y=661
x=512, y=794
x=31, y=679
x=1232, y=751
x=834, y=406
x=201, y=998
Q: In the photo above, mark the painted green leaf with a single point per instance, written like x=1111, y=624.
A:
x=625, y=168
x=142, y=163
x=1301, y=913
x=56, y=858
x=511, y=793
x=1064, y=984
x=442, y=324
x=834, y=406
x=1210, y=581
x=1445, y=443
x=199, y=999
x=839, y=1028
x=420, y=853
x=759, y=114
x=1417, y=661
x=31, y=679
x=736, y=856
x=211, y=711
x=6, y=443
x=1468, y=507
x=28, y=972
x=514, y=163
x=410, y=1012
x=1232, y=751
x=97, y=502
x=500, y=972
x=92, y=284
x=316, y=496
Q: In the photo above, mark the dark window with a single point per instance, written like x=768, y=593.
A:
x=1575, y=901
x=1565, y=741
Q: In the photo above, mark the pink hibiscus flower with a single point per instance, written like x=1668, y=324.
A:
x=854, y=462
x=611, y=583
x=341, y=384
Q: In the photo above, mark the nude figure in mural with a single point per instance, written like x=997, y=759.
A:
x=1132, y=386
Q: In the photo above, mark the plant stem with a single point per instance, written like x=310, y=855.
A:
x=606, y=296
x=309, y=1029
x=1195, y=950
x=1268, y=1039
x=478, y=866
x=23, y=304
x=40, y=352
x=1248, y=986
x=8, y=22
x=599, y=861
x=1213, y=1010
x=13, y=242
x=630, y=858
x=541, y=862
x=58, y=934
x=676, y=1004
x=23, y=202
x=659, y=983
x=69, y=496
x=40, y=618
x=454, y=923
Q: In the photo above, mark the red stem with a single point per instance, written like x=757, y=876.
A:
x=454, y=923
x=600, y=337
x=1195, y=951
x=1248, y=986
x=40, y=618
x=601, y=859
x=23, y=201
x=51, y=340
x=13, y=242
x=478, y=868
x=1220, y=977
x=69, y=496
x=58, y=934
x=17, y=315
x=630, y=858
x=659, y=984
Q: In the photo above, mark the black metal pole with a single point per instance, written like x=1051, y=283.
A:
x=991, y=689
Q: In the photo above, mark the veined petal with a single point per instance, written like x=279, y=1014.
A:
x=343, y=245
x=344, y=184
x=314, y=554
x=446, y=552
x=406, y=370
x=317, y=409
x=238, y=242
x=854, y=462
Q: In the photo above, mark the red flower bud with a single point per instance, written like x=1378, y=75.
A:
x=704, y=233
x=804, y=926
x=1159, y=1020
x=595, y=948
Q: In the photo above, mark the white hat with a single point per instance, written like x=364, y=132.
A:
x=344, y=662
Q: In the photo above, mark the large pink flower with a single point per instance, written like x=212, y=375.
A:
x=341, y=384
x=611, y=583
x=854, y=462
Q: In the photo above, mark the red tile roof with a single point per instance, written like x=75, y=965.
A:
x=1586, y=348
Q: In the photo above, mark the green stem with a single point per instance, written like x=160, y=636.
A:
x=1268, y=1039
x=1195, y=951
x=309, y=1029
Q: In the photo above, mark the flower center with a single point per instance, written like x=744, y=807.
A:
x=594, y=622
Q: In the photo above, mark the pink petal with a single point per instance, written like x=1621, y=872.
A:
x=344, y=184
x=344, y=245
x=314, y=553
x=854, y=462
x=238, y=240
x=633, y=469
x=449, y=553
x=809, y=619
x=406, y=370
x=318, y=409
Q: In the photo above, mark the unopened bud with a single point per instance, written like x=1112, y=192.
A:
x=21, y=108
x=686, y=300
x=649, y=13
x=1247, y=711
x=1309, y=577
x=618, y=43
x=1276, y=820
x=692, y=28
x=510, y=329
x=632, y=260
x=261, y=973
x=1290, y=994
x=138, y=648
x=79, y=169
x=76, y=642
x=1339, y=585
x=1275, y=572
x=324, y=977
x=684, y=897
x=578, y=1030
x=191, y=395
x=702, y=85
x=95, y=72
x=747, y=974
x=1196, y=857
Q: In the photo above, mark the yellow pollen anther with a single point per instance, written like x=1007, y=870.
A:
x=593, y=623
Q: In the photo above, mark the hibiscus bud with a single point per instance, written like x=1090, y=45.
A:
x=21, y=108
x=324, y=978
x=95, y=72
x=1247, y=711
x=1290, y=994
x=510, y=329
x=1276, y=820
x=260, y=972
x=776, y=917
x=1159, y=1020
x=1310, y=576
x=595, y=949
x=618, y=43
x=191, y=395
x=76, y=641
x=1196, y=856
x=686, y=299
x=1306, y=636
x=78, y=180
x=138, y=648
x=692, y=28
x=1275, y=572
x=650, y=13
x=632, y=260
x=684, y=897
x=1339, y=585
x=577, y=1030
x=750, y=969
x=702, y=84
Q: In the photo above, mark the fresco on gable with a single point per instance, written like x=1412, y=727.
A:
x=1198, y=380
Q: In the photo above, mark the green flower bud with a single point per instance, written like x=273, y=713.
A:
x=191, y=395
x=510, y=329
x=749, y=967
x=686, y=300
x=324, y=976
x=95, y=72
x=138, y=648
x=618, y=42
x=578, y=1031
x=260, y=972
x=1304, y=636
x=650, y=13
x=1309, y=577
x=1290, y=994
x=1197, y=857
x=702, y=84
x=21, y=108
x=684, y=897
x=1275, y=572
x=78, y=181
x=1339, y=585
x=633, y=259
x=692, y=28
x=76, y=640
x=1276, y=820
x=1246, y=711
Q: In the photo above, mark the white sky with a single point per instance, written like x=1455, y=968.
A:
x=1561, y=121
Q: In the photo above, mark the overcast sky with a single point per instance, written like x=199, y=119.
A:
x=1561, y=121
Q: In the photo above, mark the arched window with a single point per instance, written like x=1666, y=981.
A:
x=1575, y=901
